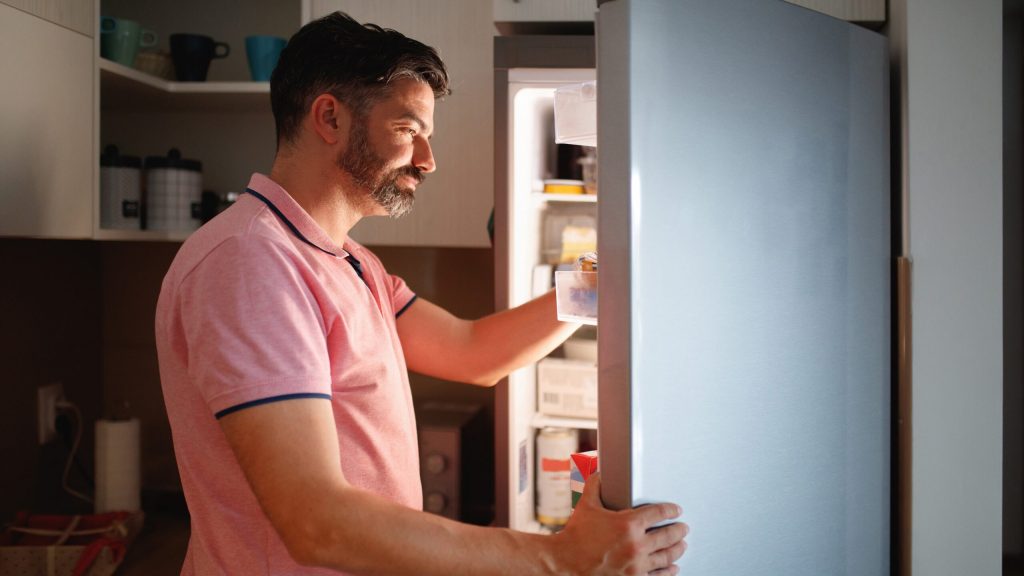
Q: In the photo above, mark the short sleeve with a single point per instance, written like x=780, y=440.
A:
x=401, y=295
x=253, y=328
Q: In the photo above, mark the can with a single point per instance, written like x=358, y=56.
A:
x=554, y=497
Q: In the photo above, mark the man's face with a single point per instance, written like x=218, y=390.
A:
x=388, y=152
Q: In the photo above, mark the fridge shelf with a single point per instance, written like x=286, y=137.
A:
x=584, y=198
x=543, y=421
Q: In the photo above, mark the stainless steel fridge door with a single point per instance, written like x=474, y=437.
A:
x=744, y=292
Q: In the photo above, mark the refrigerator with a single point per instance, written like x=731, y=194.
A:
x=744, y=234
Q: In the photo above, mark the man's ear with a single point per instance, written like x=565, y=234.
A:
x=329, y=119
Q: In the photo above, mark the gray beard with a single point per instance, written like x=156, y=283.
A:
x=367, y=171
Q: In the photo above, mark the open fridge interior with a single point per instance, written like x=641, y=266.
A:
x=552, y=221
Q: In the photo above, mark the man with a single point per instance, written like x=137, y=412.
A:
x=284, y=348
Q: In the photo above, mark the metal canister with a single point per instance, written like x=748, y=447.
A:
x=554, y=497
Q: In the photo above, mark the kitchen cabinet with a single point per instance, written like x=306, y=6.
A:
x=225, y=122
x=453, y=204
x=539, y=16
x=544, y=16
x=47, y=109
x=864, y=11
x=74, y=14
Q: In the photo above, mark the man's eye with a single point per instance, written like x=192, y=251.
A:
x=411, y=132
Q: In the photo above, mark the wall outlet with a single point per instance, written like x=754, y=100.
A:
x=49, y=395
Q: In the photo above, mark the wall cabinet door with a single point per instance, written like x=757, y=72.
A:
x=453, y=203
x=866, y=11
x=577, y=10
x=77, y=15
x=544, y=10
x=47, y=109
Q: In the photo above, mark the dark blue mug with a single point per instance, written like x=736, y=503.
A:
x=192, y=54
x=263, y=53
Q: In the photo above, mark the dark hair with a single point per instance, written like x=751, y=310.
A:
x=354, y=62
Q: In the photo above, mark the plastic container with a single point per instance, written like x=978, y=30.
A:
x=576, y=114
x=567, y=388
x=576, y=296
x=582, y=224
x=580, y=349
x=588, y=164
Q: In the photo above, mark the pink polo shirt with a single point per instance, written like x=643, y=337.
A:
x=260, y=305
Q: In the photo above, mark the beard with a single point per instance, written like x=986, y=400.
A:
x=369, y=172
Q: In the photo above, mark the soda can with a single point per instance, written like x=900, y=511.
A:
x=554, y=497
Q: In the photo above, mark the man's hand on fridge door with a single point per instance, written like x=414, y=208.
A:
x=600, y=541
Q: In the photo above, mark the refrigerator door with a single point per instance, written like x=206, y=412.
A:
x=744, y=319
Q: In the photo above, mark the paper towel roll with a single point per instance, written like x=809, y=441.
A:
x=117, y=465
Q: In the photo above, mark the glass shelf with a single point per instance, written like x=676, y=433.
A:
x=543, y=420
x=583, y=198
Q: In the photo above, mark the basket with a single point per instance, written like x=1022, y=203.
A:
x=51, y=545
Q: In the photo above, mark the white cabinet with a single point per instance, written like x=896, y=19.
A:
x=867, y=11
x=544, y=10
x=453, y=204
x=47, y=146
x=525, y=16
x=78, y=15
x=225, y=122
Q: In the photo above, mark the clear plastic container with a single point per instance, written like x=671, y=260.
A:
x=576, y=296
x=576, y=114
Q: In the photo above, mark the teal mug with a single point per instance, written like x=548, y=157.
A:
x=263, y=52
x=121, y=39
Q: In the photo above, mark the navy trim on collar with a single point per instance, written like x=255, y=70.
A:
x=288, y=222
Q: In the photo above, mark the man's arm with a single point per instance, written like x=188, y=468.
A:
x=290, y=455
x=483, y=351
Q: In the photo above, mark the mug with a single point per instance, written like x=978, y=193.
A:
x=121, y=39
x=192, y=54
x=263, y=52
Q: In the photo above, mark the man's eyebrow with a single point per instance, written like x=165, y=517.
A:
x=416, y=119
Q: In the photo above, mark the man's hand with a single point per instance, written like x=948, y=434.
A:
x=599, y=541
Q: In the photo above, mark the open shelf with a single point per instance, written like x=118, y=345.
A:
x=127, y=89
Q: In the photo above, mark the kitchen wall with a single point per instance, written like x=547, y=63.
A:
x=460, y=280
x=50, y=317
x=949, y=65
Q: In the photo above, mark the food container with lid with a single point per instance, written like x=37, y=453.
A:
x=120, y=190
x=174, y=189
x=576, y=296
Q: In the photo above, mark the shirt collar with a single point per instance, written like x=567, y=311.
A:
x=294, y=217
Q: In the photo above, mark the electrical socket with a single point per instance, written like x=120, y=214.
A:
x=49, y=395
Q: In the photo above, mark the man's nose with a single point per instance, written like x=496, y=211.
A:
x=423, y=156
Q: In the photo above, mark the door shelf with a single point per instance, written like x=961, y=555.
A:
x=543, y=420
x=127, y=89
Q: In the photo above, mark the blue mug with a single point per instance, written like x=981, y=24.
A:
x=263, y=52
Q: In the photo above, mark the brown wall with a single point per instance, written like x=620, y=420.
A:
x=82, y=313
x=49, y=332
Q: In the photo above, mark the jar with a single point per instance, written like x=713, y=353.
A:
x=120, y=190
x=174, y=189
x=554, y=497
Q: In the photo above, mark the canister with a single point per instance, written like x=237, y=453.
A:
x=120, y=190
x=554, y=497
x=174, y=189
